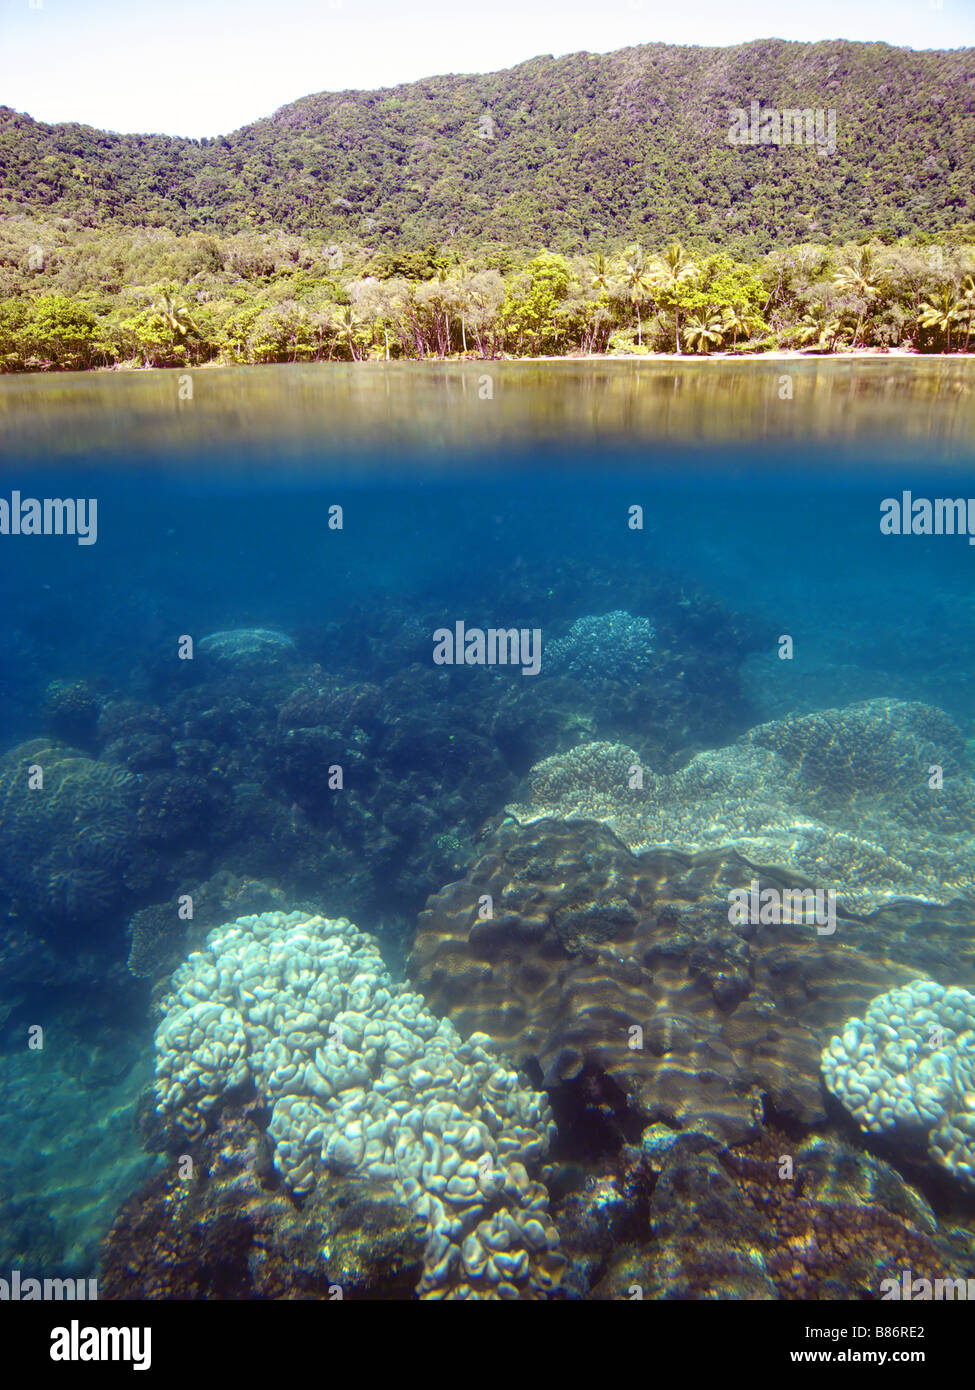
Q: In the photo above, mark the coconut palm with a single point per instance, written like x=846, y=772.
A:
x=819, y=326
x=348, y=325
x=941, y=311
x=175, y=314
x=738, y=320
x=857, y=278
x=674, y=267
x=704, y=330
x=600, y=272
x=637, y=280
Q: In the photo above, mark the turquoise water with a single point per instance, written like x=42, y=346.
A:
x=755, y=555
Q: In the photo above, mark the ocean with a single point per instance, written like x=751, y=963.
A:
x=426, y=722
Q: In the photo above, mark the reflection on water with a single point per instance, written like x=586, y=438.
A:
x=451, y=404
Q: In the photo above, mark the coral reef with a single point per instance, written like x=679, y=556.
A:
x=840, y=798
x=230, y=1231
x=234, y=760
x=574, y=954
x=841, y=1221
x=71, y=711
x=162, y=933
x=773, y=1219
x=247, y=650
x=612, y=647
x=68, y=835
x=136, y=735
x=907, y=1069
x=363, y=1080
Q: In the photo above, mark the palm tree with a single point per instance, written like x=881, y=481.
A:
x=677, y=263
x=704, y=330
x=820, y=326
x=600, y=272
x=638, y=284
x=968, y=313
x=941, y=311
x=175, y=313
x=738, y=320
x=348, y=326
x=673, y=268
x=857, y=278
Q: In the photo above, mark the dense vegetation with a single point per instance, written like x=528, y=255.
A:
x=73, y=297
x=588, y=204
x=588, y=151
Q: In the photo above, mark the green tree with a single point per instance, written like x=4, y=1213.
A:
x=968, y=307
x=738, y=321
x=636, y=277
x=531, y=307
x=819, y=326
x=857, y=278
x=350, y=332
x=59, y=332
x=165, y=334
x=600, y=272
x=941, y=312
x=705, y=330
x=14, y=346
x=175, y=314
x=675, y=270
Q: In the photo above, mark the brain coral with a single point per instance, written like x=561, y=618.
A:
x=908, y=1068
x=363, y=1080
x=840, y=797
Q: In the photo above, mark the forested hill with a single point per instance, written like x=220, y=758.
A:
x=582, y=151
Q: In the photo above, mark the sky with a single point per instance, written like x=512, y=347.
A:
x=207, y=67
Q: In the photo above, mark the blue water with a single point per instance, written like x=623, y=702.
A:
x=797, y=543
x=737, y=550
